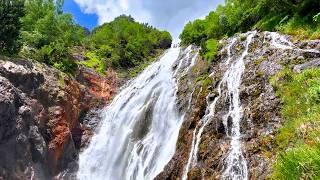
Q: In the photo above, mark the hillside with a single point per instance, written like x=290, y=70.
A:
x=40, y=30
x=239, y=98
x=300, y=19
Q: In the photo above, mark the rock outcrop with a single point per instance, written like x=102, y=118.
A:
x=268, y=53
x=43, y=117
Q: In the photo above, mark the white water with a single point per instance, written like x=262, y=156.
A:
x=280, y=42
x=139, y=130
x=235, y=165
x=190, y=55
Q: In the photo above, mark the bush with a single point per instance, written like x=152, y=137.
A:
x=210, y=49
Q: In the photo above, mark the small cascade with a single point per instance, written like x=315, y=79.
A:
x=235, y=167
x=187, y=61
x=280, y=42
x=235, y=164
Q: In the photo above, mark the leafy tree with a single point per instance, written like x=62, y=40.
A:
x=124, y=43
x=296, y=17
x=10, y=12
x=48, y=33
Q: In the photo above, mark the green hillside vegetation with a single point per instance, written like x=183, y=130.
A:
x=298, y=144
x=40, y=30
x=300, y=18
x=124, y=44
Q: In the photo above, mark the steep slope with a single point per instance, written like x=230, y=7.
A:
x=41, y=124
x=230, y=128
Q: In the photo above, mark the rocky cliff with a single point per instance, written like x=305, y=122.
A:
x=204, y=99
x=44, y=116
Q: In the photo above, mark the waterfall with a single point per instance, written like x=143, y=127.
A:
x=235, y=165
x=140, y=128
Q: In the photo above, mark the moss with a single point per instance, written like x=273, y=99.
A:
x=258, y=61
x=243, y=37
x=61, y=80
x=298, y=143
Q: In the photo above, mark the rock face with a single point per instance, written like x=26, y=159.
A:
x=41, y=117
x=268, y=53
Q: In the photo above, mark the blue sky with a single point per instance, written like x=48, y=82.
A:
x=169, y=15
x=84, y=19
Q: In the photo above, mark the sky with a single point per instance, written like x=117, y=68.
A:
x=170, y=15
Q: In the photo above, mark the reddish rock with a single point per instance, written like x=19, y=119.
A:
x=40, y=121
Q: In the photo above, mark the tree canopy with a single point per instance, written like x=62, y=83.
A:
x=10, y=12
x=49, y=35
x=295, y=17
x=125, y=43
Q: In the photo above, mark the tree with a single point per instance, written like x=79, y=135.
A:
x=126, y=43
x=49, y=33
x=10, y=12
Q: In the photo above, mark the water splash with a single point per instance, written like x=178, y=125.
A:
x=140, y=128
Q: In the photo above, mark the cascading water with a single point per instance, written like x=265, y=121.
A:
x=280, y=42
x=139, y=130
x=235, y=165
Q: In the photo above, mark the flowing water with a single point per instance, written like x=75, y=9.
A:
x=235, y=165
x=140, y=128
x=280, y=42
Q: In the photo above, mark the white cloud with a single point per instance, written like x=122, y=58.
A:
x=165, y=14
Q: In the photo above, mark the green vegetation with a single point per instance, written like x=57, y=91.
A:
x=299, y=18
x=48, y=34
x=127, y=45
x=211, y=48
x=10, y=12
x=298, y=143
x=94, y=62
x=38, y=29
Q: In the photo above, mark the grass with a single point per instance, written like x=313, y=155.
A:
x=298, y=142
x=299, y=163
x=301, y=28
x=297, y=26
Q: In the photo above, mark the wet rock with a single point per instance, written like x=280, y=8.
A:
x=261, y=107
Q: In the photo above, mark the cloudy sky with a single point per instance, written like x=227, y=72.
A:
x=170, y=15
